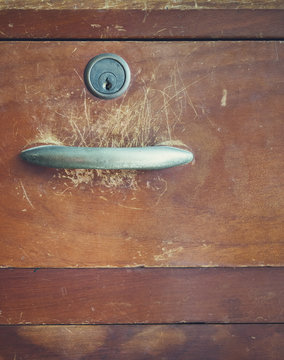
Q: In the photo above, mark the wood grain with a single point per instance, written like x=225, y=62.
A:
x=224, y=101
x=139, y=24
x=180, y=342
x=111, y=296
x=141, y=4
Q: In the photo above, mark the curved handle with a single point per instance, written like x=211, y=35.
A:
x=137, y=158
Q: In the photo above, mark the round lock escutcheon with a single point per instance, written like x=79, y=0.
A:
x=107, y=76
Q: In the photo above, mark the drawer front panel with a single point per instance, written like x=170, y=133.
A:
x=222, y=100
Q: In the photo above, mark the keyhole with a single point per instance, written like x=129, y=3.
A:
x=107, y=84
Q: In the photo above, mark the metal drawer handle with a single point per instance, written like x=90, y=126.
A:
x=138, y=158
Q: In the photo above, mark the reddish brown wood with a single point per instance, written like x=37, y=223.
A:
x=223, y=100
x=70, y=296
x=180, y=342
x=139, y=24
x=141, y=4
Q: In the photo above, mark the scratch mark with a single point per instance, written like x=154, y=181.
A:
x=119, y=28
x=224, y=98
x=211, y=123
x=74, y=126
x=64, y=291
x=146, y=14
x=64, y=191
x=168, y=253
x=184, y=89
x=146, y=120
x=116, y=307
x=25, y=253
x=129, y=207
x=276, y=51
x=79, y=76
x=161, y=30
x=163, y=192
x=188, y=97
x=60, y=114
x=25, y=194
x=85, y=107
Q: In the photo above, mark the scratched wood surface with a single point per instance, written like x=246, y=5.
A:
x=112, y=296
x=222, y=100
x=141, y=4
x=142, y=24
x=180, y=342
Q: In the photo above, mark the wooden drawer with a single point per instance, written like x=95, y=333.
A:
x=181, y=263
x=222, y=100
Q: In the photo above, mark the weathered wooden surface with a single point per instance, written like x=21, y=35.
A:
x=141, y=4
x=139, y=24
x=224, y=101
x=111, y=296
x=180, y=342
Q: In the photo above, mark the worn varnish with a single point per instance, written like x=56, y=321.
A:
x=140, y=4
x=141, y=24
x=76, y=296
x=124, y=19
x=190, y=342
x=223, y=101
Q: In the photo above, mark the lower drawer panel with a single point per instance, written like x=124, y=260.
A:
x=111, y=296
x=180, y=342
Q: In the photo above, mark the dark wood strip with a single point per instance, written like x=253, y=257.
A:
x=76, y=296
x=139, y=24
x=141, y=4
x=168, y=342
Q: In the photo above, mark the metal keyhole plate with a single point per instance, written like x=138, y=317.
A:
x=107, y=76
